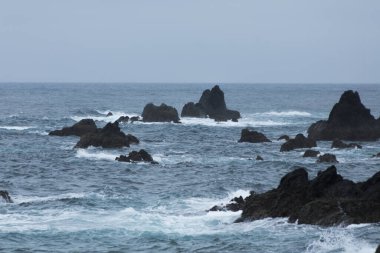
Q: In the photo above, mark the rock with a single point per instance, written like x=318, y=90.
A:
x=311, y=153
x=134, y=118
x=84, y=126
x=134, y=156
x=348, y=120
x=6, y=197
x=340, y=144
x=211, y=104
x=252, y=136
x=378, y=249
x=283, y=137
x=132, y=139
x=236, y=204
x=162, y=113
x=378, y=155
x=326, y=200
x=327, y=158
x=259, y=158
x=300, y=141
x=123, y=119
x=109, y=114
x=109, y=136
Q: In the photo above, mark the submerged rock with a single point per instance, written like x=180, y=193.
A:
x=378, y=155
x=340, y=144
x=84, y=126
x=162, y=113
x=326, y=200
x=300, y=141
x=211, y=104
x=284, y=137
x=109, y=114
x=123, y=119
x=311, y=153
x=5, y=195
x=252, y=136
x=349, y=119
x=134, y=156
x=110, y=136
x=327, y=158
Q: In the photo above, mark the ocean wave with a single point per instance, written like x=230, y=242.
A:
x=95, y=155
x=18, y=128
x=286, y=114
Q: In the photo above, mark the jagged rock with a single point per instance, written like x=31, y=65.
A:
x=348, y=120
x=123, y=119
x=211, y=104
x=327, y=158
x=236, y=204
x=259, y=158
x=6, y=197
x=340, y=144
x=300, y=141
x=84, y=126
x=311, y=153
x=252, y=136
x=109, y=136
x=162, y=113
x=134, y=118
x=109, y=114
x=283, y=137
x=326, y=200
x=134, y=156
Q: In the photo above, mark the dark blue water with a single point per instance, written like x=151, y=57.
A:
x=70, y=200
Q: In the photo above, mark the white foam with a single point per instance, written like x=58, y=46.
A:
x=115, y=116
x=18, y=128
x=93, y=154
x=27, y=199
x=286, y=114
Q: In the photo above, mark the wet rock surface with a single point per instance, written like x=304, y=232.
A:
x=162, y=113
x=252, y=136
x=83, y=127
x=300, y=141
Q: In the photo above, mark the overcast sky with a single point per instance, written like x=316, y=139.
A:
x=270, y=41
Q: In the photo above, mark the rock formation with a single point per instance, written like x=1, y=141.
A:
x=5, y=195
x=84, y=126
x=300, y=141
x=327, y=158
x=340, y=144
x=311, y=153
x=162, y=113
x=252, y=136
x=134, y=156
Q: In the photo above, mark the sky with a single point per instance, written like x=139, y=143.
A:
x=190, y=41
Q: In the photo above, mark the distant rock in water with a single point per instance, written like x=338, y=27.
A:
x=378, y=155
x=300, y=141
x=252, y=136
x=348, y=120
x=284, y=137
x=340, y=144
x=311, y=153
x=134, y=156
x=236, y=204
x=327, y=158
x=259, y=158
x=162, y=113
x=123, y=119
x=5, y=195
x=326, y=200
x=109, y=114
x=84, y=126
x=134, y=118
x=211, y=104
x=109, y=136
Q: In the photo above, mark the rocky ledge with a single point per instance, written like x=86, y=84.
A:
x=211, y=104
x=349, y=119
x=300, y=141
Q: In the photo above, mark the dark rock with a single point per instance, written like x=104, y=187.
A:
x=378, y=249
x=211, y=104
x=84, y=126
x=123, y=119
x=259, y=158
x=162, y=113
x=340, y=144
x=327, y=158
x=132, y=139
x=134, y=118
x=348, y=120
x=378, y=155
x=300, y=141
x=236, y=204
x=284, y=137
x=134, y=156
x=252, y=136
x=109, y=136
x=109, y=114
x=6, y=197
x=326, y=200
x=311, y=153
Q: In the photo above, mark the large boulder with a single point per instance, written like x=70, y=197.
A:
x=211, y=104
x=341, y=145
x=162, y=113
x=252, y=136
x=311, y=153
x=5, y=195
x=300, y=141
x=83, y=127
x=327, y=158
x=110, y=136
x=349, y=119
x=136, y=156
x=326, y=200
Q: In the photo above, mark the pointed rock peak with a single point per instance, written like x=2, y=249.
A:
x=350, y=97
x=111, y=127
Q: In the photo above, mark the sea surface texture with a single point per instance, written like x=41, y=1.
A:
x=82, y=200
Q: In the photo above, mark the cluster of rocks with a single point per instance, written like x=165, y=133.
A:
x=326, y=200
x=300, y=141
x=136, y=156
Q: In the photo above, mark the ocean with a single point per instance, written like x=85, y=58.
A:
x=82, y=200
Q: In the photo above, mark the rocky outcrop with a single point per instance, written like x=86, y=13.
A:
x=300, y=141
x=134, y=156
x=134, y=118
x=109, y=136
x=123, y=119
x=340, y=144
x=326, y=200
x=311, y=153
x=109, y=114
x=252, y=136
x=327, y=158
x=284, y=137
x=162, y=113
x=211, y=104
x=349, y=119
x=378, y=249
x=259, y=158
x=236, y=204
x=83, y=127
x=5, y=195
